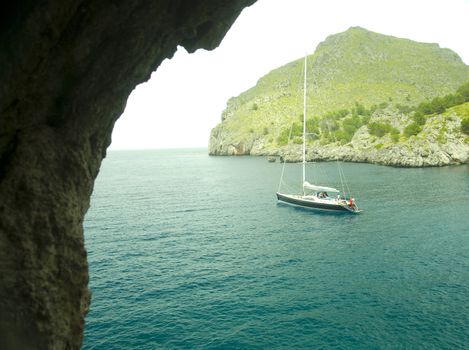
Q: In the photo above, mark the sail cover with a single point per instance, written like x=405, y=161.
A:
x=309, y=186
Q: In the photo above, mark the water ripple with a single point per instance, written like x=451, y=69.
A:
x=188, y=251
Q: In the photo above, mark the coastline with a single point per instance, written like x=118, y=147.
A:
x=440, y=144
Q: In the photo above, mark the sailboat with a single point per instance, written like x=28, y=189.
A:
x=316, y=196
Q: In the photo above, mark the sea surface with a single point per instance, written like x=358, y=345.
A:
x=188, y=251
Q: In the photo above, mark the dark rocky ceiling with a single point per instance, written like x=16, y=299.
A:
x=67, y=68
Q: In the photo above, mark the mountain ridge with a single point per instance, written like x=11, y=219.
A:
x=349, y=69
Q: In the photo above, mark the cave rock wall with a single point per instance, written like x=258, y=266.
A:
x=66, y=70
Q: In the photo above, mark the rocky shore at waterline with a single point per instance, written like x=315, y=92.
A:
x=439, y=144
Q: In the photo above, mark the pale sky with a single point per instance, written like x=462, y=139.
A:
x=185, y=97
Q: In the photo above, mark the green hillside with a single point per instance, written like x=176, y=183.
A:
x=353, y=73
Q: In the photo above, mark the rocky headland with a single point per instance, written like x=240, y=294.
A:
x=440, y=143
x=371, y=98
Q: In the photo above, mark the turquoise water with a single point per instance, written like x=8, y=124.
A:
x=188, y=251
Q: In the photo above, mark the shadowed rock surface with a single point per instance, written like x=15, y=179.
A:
x=67, y=68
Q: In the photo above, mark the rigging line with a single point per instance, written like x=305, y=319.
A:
x=343, y=179
x=346, y=183
x=342, y=175
x=339, y=167
x=284, y=161
x=290, y=189
x=323, y=172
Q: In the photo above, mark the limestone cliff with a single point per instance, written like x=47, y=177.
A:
x=356, y=79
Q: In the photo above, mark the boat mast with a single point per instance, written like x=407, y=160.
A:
x=304, y=127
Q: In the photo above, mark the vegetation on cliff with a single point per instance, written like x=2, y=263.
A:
x=341, y=125
x=354, y=77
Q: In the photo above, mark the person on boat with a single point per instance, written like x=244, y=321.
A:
x=351, y=204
